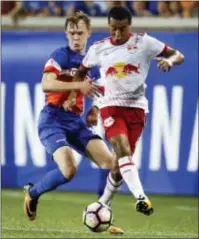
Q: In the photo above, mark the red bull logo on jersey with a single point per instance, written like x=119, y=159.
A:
x=121, y=70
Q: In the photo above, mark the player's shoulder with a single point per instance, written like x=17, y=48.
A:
x=101, y=43
x=98, y=46
x=61, y=56
x=139, y=35
x=60, y=51
x=144, y=35
x=142, y=38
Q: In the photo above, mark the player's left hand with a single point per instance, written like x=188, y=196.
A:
x=92, y=117
x=164, y=64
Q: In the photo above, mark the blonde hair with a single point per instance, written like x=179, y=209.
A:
x=76, y=18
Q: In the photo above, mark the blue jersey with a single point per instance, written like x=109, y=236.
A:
x=65, y=60
x=57, y=127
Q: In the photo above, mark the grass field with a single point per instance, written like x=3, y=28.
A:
x=59, y=216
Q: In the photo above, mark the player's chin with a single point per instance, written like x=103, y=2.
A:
x=77, y=47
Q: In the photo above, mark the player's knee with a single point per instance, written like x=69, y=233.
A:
x=71, y=172
x=66, y=163
x=109, y=163
x=121, y=146
x=106, y=165
x=68, y=171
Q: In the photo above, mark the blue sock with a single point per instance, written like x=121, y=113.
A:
x=50, y=181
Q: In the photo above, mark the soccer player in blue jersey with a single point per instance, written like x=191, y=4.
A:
x=60, y=127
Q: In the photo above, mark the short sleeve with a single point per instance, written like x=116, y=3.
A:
x=56, y=62
x=154, y=47
x=91, y=58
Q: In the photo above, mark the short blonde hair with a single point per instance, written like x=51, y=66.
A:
x=76, y=18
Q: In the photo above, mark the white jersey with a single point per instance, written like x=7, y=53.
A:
x=124, y=68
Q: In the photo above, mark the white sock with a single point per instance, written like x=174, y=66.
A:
x=130, y=175
x=111, y=188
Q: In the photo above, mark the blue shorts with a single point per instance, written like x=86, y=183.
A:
x=57, y=128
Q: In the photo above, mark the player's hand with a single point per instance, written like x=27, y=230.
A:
x=92, y=117
x=68, y=104
x=164, y=64
x=86, y=87
x=89, y=89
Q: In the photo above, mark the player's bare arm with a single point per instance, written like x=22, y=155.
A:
x=169, y=58
x=50, y=83
x=92, y=117
x=80, y=74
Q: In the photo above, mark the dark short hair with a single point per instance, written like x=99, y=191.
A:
x=76, y=18
x=119, y=13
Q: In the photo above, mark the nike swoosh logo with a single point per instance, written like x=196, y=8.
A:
x=59, y=140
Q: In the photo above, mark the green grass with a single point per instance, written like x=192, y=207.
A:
x=60, y=213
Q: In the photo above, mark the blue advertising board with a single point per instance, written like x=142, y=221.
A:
x=167, y=153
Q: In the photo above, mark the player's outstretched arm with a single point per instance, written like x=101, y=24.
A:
x=169, y=58
x=50, y=83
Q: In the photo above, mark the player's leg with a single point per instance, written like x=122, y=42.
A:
x=117, y=134
x=135, y=119
x=117, y=125
x=91, y=145
x=56, y=146
x=98, y=152
x=103, y=173
x=113, y=184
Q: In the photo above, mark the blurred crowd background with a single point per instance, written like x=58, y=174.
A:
x=166, y=9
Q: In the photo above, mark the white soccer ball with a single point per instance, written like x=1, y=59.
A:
x=97, y=217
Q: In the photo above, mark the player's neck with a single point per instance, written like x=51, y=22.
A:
x=116, y=44
x=81, y=52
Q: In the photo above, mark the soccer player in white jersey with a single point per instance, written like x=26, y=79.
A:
x=124, y=58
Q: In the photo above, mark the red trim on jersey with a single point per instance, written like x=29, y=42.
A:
x=164, y=51
x=114, y=43
x=51, y=69
x=126, y=164
x=101, y=89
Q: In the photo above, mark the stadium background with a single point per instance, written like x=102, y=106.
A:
x=168, y=151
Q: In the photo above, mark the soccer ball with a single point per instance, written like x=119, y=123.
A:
x=97, y=217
